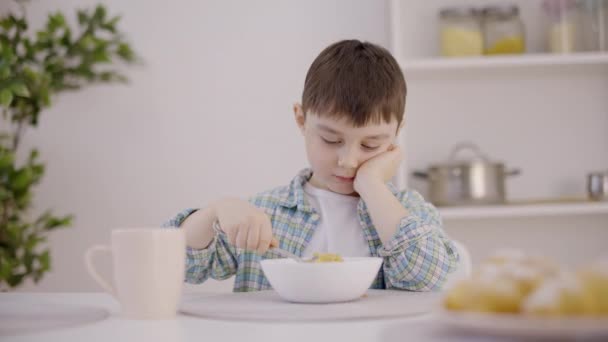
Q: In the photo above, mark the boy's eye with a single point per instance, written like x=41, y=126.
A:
x=331, y=142
x=370, y=148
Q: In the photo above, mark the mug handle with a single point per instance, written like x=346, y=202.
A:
x=88, y=259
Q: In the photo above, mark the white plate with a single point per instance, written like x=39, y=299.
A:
x=269, y=307
x=525, y=326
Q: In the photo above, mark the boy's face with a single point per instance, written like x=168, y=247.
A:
x=336, y=149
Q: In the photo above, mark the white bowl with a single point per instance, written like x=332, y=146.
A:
x=329, y=282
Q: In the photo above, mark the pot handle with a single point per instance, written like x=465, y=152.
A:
x=470, y=146
x=420, y=174
x=513, y=172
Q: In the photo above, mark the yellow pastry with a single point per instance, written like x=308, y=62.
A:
x=511, y=281
x=557, y=296
x=509, y=256
x=595, y=283
x=501, y=283
x=486, y=292
x=527, y=271
x=525, y=276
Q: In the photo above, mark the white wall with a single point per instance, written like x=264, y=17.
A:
x=208, y=115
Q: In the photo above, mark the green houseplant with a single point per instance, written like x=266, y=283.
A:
x=34, y=67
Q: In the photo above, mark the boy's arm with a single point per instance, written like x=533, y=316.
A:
x=208, y=252
x=385, y=210
x=198, y=227
x=417, y=254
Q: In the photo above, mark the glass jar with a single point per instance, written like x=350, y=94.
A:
x=563, y=34
x=460, y=32
x=594, y=25
x=503, y=30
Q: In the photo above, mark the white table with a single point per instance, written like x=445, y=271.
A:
x=186, y=328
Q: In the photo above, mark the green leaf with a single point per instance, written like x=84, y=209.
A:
x=6, y=23
x=37, y=171
x=4, y=195
x=21, y=24
x=58, y=19
x=101, y=57
x=15, y=280
x=6, y=160
x=55, y=21
x=23, y=198
x=45, y=97
x=29, y=48
x=31, y=74
x=111, y=25
x=5, y=72
x=21, y=179
x=5, y=267
x=83, y=17
x=28, y=258
x=66, y=40
x=34, y=155
x=20, y=89
x=106, y=76
x=124, y=51
x=43, y=36
x=32, y=241
x=100, y=13
x=8, y=55
x=58, y=222
x=6, y=97
x=45, y=260
x=86, y=41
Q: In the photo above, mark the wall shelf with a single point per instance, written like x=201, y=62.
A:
x=524, y=210
x=504, y=62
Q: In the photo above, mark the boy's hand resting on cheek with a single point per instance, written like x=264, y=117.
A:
x=245, y=225
x=378, y=169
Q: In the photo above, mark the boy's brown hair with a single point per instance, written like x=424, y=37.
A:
x=357, y=80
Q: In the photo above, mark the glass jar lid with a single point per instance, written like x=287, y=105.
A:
x=501, y=11
x=458, y=12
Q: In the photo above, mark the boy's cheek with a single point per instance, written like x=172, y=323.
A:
x=379, y=152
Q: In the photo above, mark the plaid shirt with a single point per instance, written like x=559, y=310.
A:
x=417, y=258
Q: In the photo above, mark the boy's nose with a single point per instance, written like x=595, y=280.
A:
x=348, y=159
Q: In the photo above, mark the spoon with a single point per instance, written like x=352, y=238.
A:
x=274, y=245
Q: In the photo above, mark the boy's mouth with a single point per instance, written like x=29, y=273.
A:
x=345, y=179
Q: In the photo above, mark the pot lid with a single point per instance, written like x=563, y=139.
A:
x=458, y=159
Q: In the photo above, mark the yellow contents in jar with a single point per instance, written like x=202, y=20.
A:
x=561, y=37
x=507, y=45
x=457, y=41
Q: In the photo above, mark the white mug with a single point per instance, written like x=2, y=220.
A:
x=149, y=266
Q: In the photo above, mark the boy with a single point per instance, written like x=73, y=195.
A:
x=351, y=113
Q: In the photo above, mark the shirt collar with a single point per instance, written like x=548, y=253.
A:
x=294, y=196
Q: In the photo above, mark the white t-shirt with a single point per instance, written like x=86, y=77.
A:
x=338, y=230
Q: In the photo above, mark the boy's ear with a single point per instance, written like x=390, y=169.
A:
x=299, y=116
x=400, y=127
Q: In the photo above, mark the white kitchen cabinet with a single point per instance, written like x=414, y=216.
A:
x=546, y=114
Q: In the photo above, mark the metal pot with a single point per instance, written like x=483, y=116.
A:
x=597, y=185
x=467, y=182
